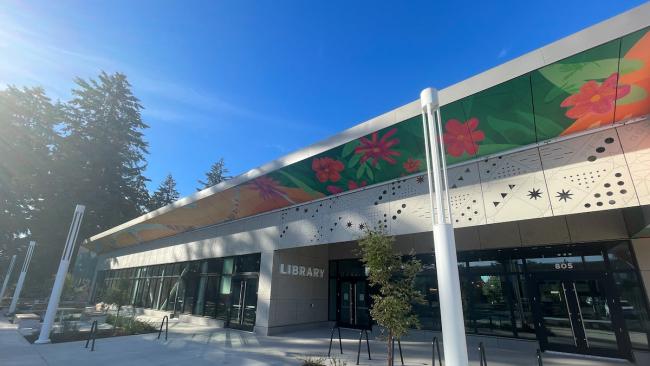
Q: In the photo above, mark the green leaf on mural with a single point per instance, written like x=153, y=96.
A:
x=369, y=171
x=570, y=76
x=349, y=148
x=300, y=184
x=354, y=160
x=495, y=148
x=360, y=171
x=547, y=127
x=636, y=94
x=628, y=65
x=513, y=132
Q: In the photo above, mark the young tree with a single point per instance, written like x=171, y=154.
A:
x=394, y=278
x=217, y=174
x=117, y=295
x=165, y=194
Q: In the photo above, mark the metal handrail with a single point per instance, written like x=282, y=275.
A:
x=92, y=335
x=165, y=321
x=481, y=354
x=435, y=344
x=540, y=361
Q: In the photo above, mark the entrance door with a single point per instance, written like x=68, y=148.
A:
x=578, y=315
x=243, y=303
x=354, y=306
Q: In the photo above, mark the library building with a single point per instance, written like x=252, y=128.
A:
x=548, y=160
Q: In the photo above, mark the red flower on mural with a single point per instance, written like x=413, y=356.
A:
x=595, y=98
x=267, y=187
x=411, y=165
x=462, y=137
x=334, y=189
x=353, y=185
x=327, y=169
x=378, y=148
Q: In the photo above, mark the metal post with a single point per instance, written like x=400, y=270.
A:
x=451, y=306
x=59, y=281
x=21, y=278
x=7, y=276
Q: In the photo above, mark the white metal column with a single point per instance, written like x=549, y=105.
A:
x=59, y=281
x=451, y=305
x=21, y=278
x=10, y=270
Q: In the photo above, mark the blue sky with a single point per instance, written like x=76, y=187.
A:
x=251, y=81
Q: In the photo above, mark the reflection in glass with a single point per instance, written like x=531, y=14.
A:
x=633, y=307
x=555, y=313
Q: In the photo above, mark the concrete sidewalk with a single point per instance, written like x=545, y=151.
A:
x=197, y=345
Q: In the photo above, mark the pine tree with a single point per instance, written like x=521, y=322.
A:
x=217, y=174
x=165, y=194
x=100, y=164
x=28, y=141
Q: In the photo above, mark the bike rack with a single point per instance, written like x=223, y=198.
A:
x=540, y=361
x=399, y=345
x=165, y=321
x=361, y=332
x=92, y=335
x=481, y=354
x=435, y=346
x=332, y=337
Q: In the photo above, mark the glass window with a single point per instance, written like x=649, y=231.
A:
x=248, y=263
x=620, y=257
x=634, y=308
x=214, y=266
x=211, y=296
x=332, y=298
x=228, y=265
x=554, y=262
x=489, y=311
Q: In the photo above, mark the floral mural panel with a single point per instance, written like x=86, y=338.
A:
x=577, y=93
x=635, y=75
x=501, y=117
x=460, y=145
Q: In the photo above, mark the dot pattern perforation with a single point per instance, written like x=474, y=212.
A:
x=587, y=173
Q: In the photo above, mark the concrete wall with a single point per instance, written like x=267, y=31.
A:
x=294, y=301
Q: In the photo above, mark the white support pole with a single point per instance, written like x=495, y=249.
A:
x=59, y=281
x=451, y=305
x=21, y=278
x=10, y=270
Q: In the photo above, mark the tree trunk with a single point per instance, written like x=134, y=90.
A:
x=391, y=349
x=117, y=319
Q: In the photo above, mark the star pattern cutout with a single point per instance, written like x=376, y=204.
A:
x=361, y=226
x=564, y=195
x=349, y=224
x=534, y=194
x=420, y=179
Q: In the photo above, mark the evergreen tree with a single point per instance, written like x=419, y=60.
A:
x=27, y=142
x=99, y=164
x=165, y=194
x=217, y=174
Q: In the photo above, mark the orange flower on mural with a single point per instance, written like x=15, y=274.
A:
x=462, y=137
x=595, y=98
x=411, y=165
x=327, y=169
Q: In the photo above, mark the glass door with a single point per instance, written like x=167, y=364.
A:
x=243, y=303
x=578, y=315
x=354, y=304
